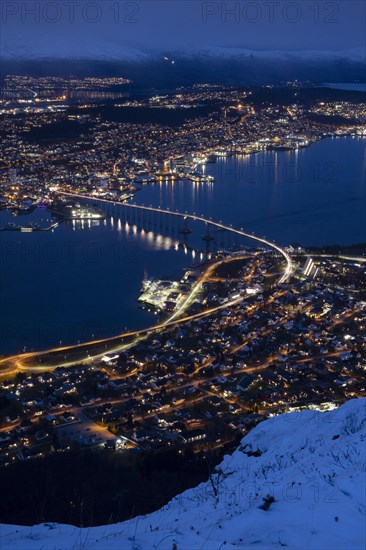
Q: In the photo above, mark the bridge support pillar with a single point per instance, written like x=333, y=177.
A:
x=185, y=230
x=207, y=236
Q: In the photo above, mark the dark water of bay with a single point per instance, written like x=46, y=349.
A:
x=81, y=282
x=314, y=196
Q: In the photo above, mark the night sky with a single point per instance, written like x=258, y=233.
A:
x=73, y=27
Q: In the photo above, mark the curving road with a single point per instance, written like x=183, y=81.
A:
x=56, y=357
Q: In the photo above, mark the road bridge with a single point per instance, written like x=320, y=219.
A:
x=70, y=355
x=164, y=218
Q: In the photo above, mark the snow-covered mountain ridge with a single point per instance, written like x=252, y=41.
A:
x=352, y=54
x=73, y=49
x=296, y=481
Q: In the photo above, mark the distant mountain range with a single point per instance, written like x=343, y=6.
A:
x=169, y=69
x=17, y=50
x=70, y=50
x=354, y=54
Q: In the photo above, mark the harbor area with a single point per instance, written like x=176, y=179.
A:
x=163, y=295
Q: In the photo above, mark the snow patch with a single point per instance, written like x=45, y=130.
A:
x=296, y=481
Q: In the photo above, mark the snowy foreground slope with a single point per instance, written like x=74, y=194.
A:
x=311, y=463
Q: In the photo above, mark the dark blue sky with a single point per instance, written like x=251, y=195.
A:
x=73, y=27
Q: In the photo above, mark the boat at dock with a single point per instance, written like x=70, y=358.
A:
x=76, y=211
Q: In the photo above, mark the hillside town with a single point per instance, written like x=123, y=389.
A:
x=204, y=383
x=112, y=146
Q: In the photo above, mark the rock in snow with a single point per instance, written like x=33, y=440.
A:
x=297, y=481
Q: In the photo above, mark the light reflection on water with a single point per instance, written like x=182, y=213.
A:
x=313, y=196
x=84, y=278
